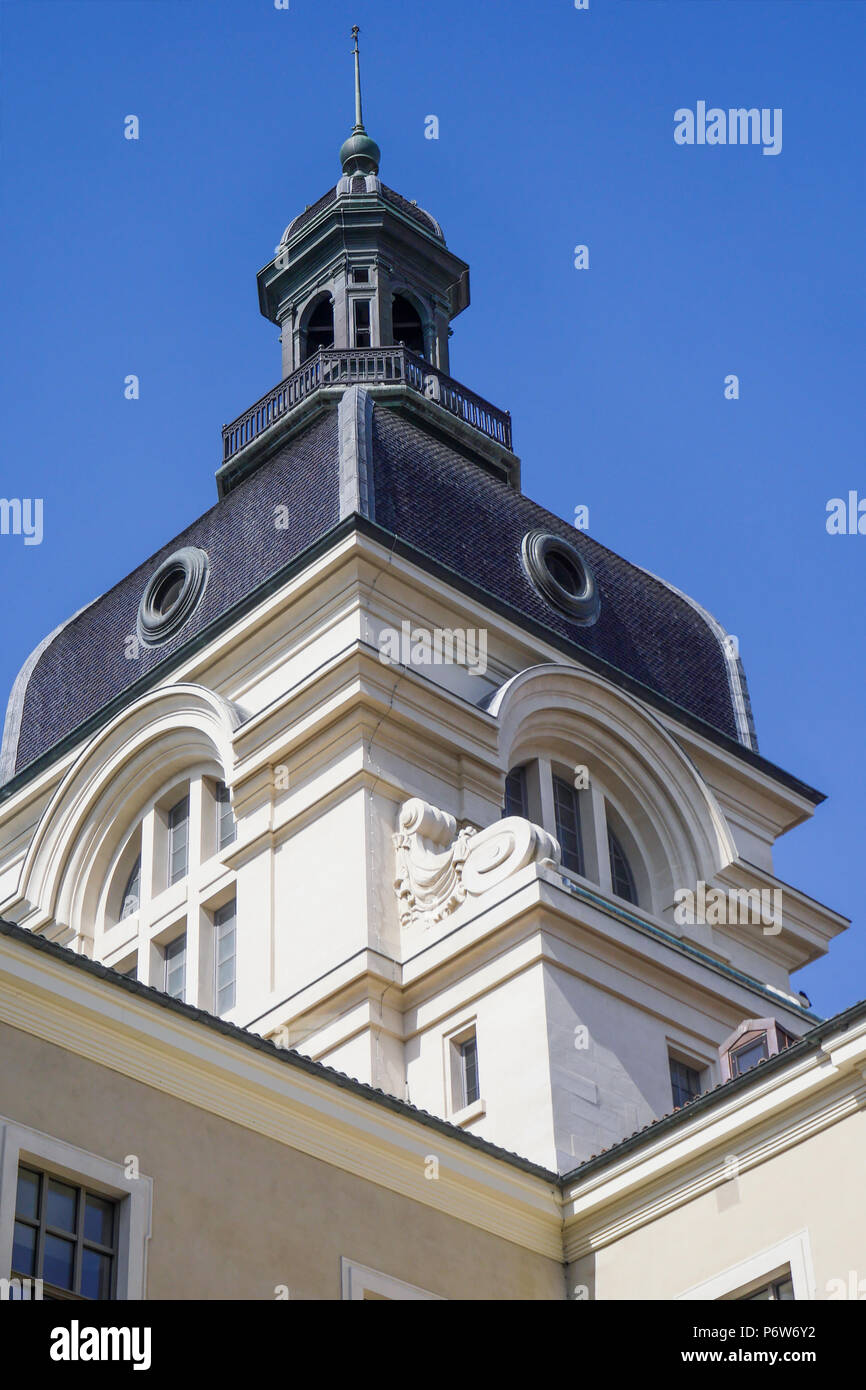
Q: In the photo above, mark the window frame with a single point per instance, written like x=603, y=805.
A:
x=22, y=1145
x=76, y=1237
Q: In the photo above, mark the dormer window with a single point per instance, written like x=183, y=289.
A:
x=621, y=877
x=567, y=809
x=753, y=1042
x=516, y=803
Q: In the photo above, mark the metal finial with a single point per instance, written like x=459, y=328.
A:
x=359, y=120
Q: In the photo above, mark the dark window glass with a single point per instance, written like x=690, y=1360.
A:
x=131, y=900
x=568, y=824
x=469, y=1070
x=685, y=1082
x=226, y=828
x=744, y=1058
x=361, y=274
x=320, y=329
x=65, y=1236
x=178, y=841
x=566, y=573
x=621, y=876
x=60, y=1211
x=407, y=324
x=175, y=967
x=778, y=1291
x=515, y=793
x=225, y=926
x=362, y=323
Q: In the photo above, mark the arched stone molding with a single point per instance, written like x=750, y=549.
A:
x=573, y=717
x=169, y=732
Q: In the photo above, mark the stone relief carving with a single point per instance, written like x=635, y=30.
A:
x=438, y=867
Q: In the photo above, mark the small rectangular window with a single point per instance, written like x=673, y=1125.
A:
x=225, y=927
x=468, y=1051
x=363, y=336
x=567, y=811
x=175, y=967
x=226, y=827
x=64, y=1235
x=515, y=793
x=361, y=274
x=178, y=841
x=685, y=1082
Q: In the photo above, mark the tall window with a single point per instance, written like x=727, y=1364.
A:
x=64, y=1235
x=567, y=811
x=516, y=803
x=225, y=928
x=468, y=1050
x=175, y=967
x=178, y=841
x=131, y=900
x=226, y=828
x=621, y=876
x=363, y=337
x=685, y=1082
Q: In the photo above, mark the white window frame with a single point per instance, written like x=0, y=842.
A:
x=794, y=1253
x=19, y=1143
x=356, y=1280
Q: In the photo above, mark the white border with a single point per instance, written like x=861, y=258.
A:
x=356, y=1280
x=793, y=1252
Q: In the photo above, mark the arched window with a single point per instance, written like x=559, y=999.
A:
x=131, y=899
x=621, y=877
x=407, y=324
x=319, y=329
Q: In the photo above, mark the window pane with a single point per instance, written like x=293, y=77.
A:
x=621, y=877
x=226, y=829
x=98, y=1220
x=61, y=1206
x=685, y=1082
x=225, y=919
x=27, y=1203
x=178, y=840
x=24, y=1249
x=132, y=892
x=515, y=792
x=58, y=1263
x=744, y=1058
x=568, y=825
x=95, y=1274
x=469, y=1060
x=175, y=967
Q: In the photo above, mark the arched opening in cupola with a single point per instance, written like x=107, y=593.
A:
x=408, y=327
x=318, y=331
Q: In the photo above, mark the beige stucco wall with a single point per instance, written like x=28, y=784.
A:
x=235, y=1214
x=815, y=1186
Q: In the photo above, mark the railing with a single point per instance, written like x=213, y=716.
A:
x=375, y=366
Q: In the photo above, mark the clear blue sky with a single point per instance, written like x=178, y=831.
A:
x=556, y=128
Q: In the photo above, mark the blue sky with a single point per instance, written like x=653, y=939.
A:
x=556, y=129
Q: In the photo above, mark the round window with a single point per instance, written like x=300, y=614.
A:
x=171, y=595
x=560, y=574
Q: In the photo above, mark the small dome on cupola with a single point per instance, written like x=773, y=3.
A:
x=359, y=154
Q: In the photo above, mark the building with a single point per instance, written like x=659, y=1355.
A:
x=387, y=836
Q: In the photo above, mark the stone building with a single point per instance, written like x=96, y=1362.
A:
x=388, y=836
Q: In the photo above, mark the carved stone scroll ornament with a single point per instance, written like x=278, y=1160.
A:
x=437, y=866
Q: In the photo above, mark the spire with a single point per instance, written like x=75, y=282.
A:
x=359, y=154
